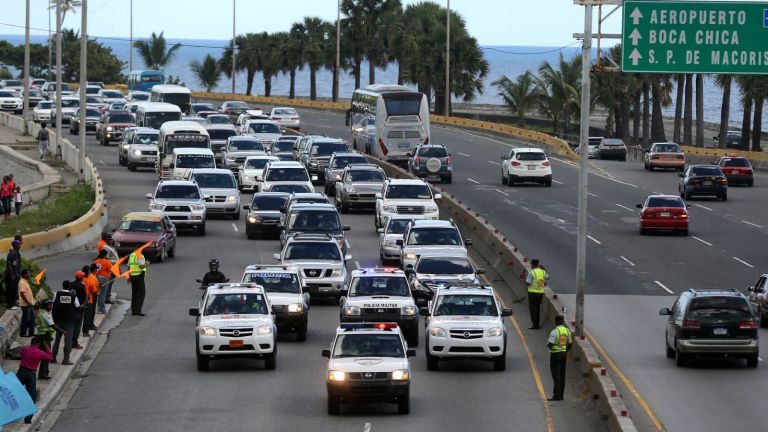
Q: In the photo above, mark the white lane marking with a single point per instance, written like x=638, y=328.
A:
x=625, y=208
x=557, y=182
x=473, y=181
x=367, y=427
x=614, y=180
x=760, y=358
x=357, y=264
x=591, y=194
x=502, y=192
x=593, y=239
x=658, y=193
x=234, y=227
x=744, y=262
x=663, y=287
x=349, y=243
x=463, y=154
x=628, y=261
x=753, y=224
x=495, y=163
x=701, y=206
x=561, y=220
x=481, y=137
x=705, y=242
x=102, y=162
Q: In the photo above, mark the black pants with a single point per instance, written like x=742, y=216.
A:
x=28, y=379
x=11, y=291
x=138, y=291
x=557, y=364
x=89, y=317
x=18, y=209
x=534, y=303
x=78, y=326
x=43, y=370
x=27, y=327
x=69, y=327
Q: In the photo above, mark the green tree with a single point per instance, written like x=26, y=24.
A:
x=207, y=73
x=724, y=81
x=13, y=55
x=292, y=53
x=372, y=22
x=247, y=59
x=679, y=89
x=314, y=33
x=269, y=55
x=520, y=95
x=66, y=6
x=154, y=52
x=103, y=64
x=560, y=89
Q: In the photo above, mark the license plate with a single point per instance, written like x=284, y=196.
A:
x=664, y=214
x=734, y=172
x=403, y=146
x=720, y=332
x=433, y=177
x=236, y=343
x=144, y=159
x=707, y=183
x=531, y=167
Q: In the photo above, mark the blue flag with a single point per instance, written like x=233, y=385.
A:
x=15, y=402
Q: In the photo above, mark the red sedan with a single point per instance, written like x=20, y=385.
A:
x=737, y=169
x=663, y=212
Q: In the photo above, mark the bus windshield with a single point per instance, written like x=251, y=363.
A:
x=408, y=104
x=185, y=140
x=156, y=119
x=181, y=100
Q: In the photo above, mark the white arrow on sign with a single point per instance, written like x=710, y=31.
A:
x=636, y=15
x=635, y=56
x=635, y=35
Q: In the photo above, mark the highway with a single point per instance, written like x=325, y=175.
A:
x=145, y=377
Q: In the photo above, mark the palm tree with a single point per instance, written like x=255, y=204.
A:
x=661, y=95
x=759, y=94
x=688, y=111
x=520, y=95
x=154, y=53
x=329, y=54
x=293, y=55
x=314, y=33
x=680, y=79
x=745, y=83
x=207, y=73
x=564, y=83
x=646, y=111
x=699, y=110
x=724, y=82
x=66, y=6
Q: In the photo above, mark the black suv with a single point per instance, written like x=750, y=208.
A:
x=710, y=322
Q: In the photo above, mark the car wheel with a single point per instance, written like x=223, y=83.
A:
x=548, y=183
x=750, y=183
x=510, y=181
x=650, y=167
x=163, y=255
x=448, y=179
x=680, y=358
x=684, y=232
x=724, y=196
x=270, y=361
x=432, y=361
x=404, y=404
x=334, y=405
x=412, y=337
x=172, y=252
x=623, y=158
x=752, y=360
x=670, y=351
x=250, y=235
x=203, y=363
x=761, y=316
x=236, y=216
x=301, y=333
x=645, y=166
x=344, y=207
x=643, y=231
x=500, y=363
x=503, y=179
x=131, y=167
x=201, y=230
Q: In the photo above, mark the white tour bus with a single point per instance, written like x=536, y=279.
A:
x=154, y=114
x=178, y=134
x=173, y=94
x=388, y=121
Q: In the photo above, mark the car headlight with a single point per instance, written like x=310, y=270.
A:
x=494, y=331
x=156, y=206
x=390, y=208
x=437, y=332
x=137, y=152
x=295, y=308
x=253, y=219
x=400, y=375
x=430, y=208
x=338, y=177
x=125, y=146
x=410, y=256
x=352, y=310
x=334, y=375
x=408, y=310
x=198, y=206
x=390, y=242
x=264, y=330
x=109, y=129
x=336, y=272
x=207, y=331
x=350, y=189
x=232, y=198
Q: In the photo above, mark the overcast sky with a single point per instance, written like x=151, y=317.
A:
x=492, y=22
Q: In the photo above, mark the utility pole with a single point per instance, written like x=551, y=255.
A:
x=83, y=81
x=581, y=239
x=50, y=45
x=448, y=60
x=130, y=43
x=58, y=77
x=234, y=55
x=338, y=52
x=25, y=94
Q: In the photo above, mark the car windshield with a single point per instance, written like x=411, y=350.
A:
x=327, y=149
x=368, y=345
x=365, y=176
x=282, y=146
x=265, y=128
x=245, y=145
x=118, y=107
x=120, y=118
x=221, y=134
x=178, y=191
x=12, y=83
x=434, y=236
x=313, y=251
x=93, y=99
x=89, y=112
x=156, y=119
x=145, y=138
x=444, y=266
x=433, y=152
x=409, y=191
x=285, y=111
x=531, y=156
x=44, y=105
x=379, y=286
x=706, y=171
x=666, y=148
x=8, y=94
x=466, y=304
x=342, y=161
x=313, y=220
x=291, y=188
x=397, y=226
x=141, y=226
x=196, y=108
x=719, y=308
x=287, y=174
x=736, y=162
x=112, y=94
x=240, y=303
x=238, y=104
x=194, y=161
x=140, y=97
x=276, y=282
x=215, y=181
x=268, y=202
x=70, y=103
x=256, y=163
x=218, y=119
x=665, y=202
x=613, y=142
x=408, y=104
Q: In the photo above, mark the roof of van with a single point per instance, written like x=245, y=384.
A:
x=387, y=88
x=192, y=150
x=158, y=107
x=173, y=126
x=170, y=88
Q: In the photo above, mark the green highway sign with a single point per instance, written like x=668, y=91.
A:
x=695, y=37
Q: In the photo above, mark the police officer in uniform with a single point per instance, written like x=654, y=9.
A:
x=559, y=343
x=65, y=305
x=536, y=280
x=137, y=267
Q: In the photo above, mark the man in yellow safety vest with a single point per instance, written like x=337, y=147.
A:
x=536, y=280
x=559, y=343
x=137, y=269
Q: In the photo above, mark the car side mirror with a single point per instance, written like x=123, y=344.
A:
x=283, y=209
x=399, y=242
x=438, y=196
x=681, y=175
x=638, y=206
x=380, y=230
x=313, y=178
x=343, y=292
x=149, y=196
x=665, y=311
x=378, y=195
x=424, y=311
x=410, y=353
x=345, y=228
x=467, y=242
x=480, y=271
x=276, y=256
x=347, y=257
x=506, y=312
x=750, y=289
x=409, y=272
x=502, y=158
x=194, y=312
x=326, y=353
x=247, y=207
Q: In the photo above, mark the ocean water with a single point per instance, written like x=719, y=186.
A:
x=503, y=60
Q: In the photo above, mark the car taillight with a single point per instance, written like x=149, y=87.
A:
x=295, y=118
x=515, y=163
x=689, y=324
x=654, y=156
x=680, y=156
x=418, y=160
x=744, y=325
x=694, y=181
x=227, y=111
x=545, y=163
x=384, y=148
x=450, y=160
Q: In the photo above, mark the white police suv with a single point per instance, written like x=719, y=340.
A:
x=368, y=362
x=285, y=292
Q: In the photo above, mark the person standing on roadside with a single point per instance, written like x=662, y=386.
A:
x=559, y=343
x=31, y=356
x=78, y=286
x=6, y=196
x=12, y=274
x=27, y=302
x=137, y=271
x=64, y=310
x=536, y=280
x=92, y=290
x=43, y=136
x=17, y=199
x=103, y=273
x=46, y=330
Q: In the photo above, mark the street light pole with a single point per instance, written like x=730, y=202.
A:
x=130, y=43
x=83, y=81
x=58, y=76
x=25, y=95
x=581, y=239
x=50, y=46
x=338, y=52
x=448, y=60
x=234, y=55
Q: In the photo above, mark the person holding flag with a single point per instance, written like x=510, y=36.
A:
x=137, y=270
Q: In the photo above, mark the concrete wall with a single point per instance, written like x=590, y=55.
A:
x=24, y=173
x=36, y=185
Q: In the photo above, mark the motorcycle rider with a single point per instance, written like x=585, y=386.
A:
x=214, y=275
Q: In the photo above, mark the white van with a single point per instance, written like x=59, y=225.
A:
x=186, y=159
x=154, y=114
x=178, y=134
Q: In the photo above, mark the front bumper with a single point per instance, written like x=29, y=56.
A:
x=613, y=154
x=186, y=218
x=358, y=199
x=369, y=390
x=289, y=321
x=228, y=207
x=143, y=160
x=261, y=225
x=445, y=347
x=254, y=345
x=717, y=346
x=324, y=287
x=390, y=252
x=384, y=215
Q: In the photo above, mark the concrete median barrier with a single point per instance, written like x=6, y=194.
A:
x=39, y=190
